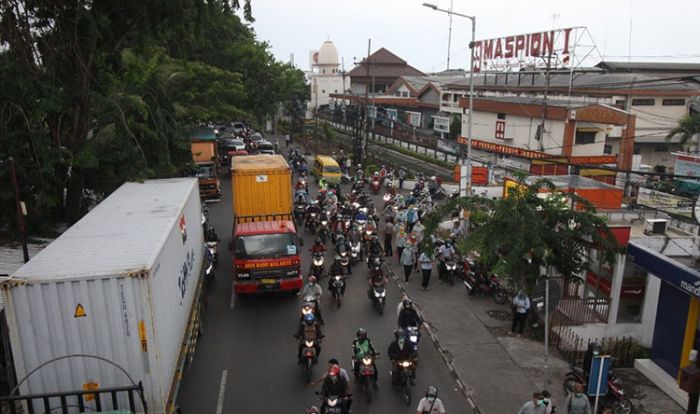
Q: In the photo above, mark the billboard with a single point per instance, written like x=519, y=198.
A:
x=441, y=124
x=688, y=165
x=517, y=50
x=665, y=202
x=414, y=118
x=392, y=114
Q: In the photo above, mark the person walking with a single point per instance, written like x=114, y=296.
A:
x=426, y=267
x=430, y=404
x=521, y=306
x=407, y=260
x=577, y=402
x=401, y=240
x=402, y=177
x=534, y=406
x=547, y=401
x=388, y=237
x=288, y=139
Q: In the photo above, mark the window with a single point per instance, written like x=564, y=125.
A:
x=501, y=116
x=404, y=94
x=637, y=149
x=643, y=102
x=397, y=93
x=445, y=97
x=607, y=149
x=323, y=91
x=455, y=98
x=585, y=137
x=661, y=148
x=621, y=103
x=673, y=102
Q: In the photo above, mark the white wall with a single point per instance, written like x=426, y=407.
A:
x=322, y=87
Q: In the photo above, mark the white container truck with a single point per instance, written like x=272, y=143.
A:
x=113, y=301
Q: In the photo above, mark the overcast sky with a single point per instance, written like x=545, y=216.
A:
x=661, y=30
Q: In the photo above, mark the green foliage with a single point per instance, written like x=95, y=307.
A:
x=521, y=234
x=687, y=127
x=455, y=127
x=97, y=93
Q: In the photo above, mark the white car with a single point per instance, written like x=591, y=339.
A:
x=265, y=147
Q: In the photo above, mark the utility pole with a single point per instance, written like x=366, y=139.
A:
x=449, y=38
x=366, y=125
x=21, y=210
x=540, y=130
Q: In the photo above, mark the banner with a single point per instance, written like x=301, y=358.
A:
x=372, y=111
x=392, y=114
x=665, y=202
x=518, y=50
x=441, y=124
x=687, y=165
x=414, y=118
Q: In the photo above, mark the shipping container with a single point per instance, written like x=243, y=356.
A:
x=203, y=152
x=261, y=186
x=118, y=289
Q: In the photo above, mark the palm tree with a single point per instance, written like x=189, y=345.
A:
x=687, y=127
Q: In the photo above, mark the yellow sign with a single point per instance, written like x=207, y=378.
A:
x=90, y=386
x=79, y=312
x=142, y=336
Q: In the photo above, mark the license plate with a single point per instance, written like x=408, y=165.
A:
x=268, y=281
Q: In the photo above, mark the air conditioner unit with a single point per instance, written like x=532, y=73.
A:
x=655, y=226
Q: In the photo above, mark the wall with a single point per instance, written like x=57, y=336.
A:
x=329, y=84
x=430, y=96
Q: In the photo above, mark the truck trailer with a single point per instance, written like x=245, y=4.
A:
x=111, y=304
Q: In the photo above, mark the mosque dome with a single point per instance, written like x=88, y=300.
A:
x=328, y=55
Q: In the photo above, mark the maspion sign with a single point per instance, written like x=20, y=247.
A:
x=513, y=51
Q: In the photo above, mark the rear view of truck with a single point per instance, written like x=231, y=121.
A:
x=265, y=243
x=205, y=156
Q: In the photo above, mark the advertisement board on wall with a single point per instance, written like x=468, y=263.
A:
x=666, y=202
x=441, y=124
x=392, y=114
x=414, y=118
x=688, y=165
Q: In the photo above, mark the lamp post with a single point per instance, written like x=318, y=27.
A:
x=468, y=190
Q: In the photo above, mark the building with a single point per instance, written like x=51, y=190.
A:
x=383, y=70
x=325, y=77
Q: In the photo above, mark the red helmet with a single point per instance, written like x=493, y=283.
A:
x=333, y=370
x=312, y=278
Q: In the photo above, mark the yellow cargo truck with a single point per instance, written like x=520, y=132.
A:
x=265, y=244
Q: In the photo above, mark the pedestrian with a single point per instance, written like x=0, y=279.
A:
x=411, y=217
x=430, y=403
x=418, y=231
x=426, y=266
x=535, y=406
x=388, y=237
x=577, y=402
x=407, y=260
x=288, y=139
x=548, y=403
x=402, y=177
x=521, y=306
x=401, y=239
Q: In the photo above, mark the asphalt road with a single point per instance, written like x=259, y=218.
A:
x=246, y=358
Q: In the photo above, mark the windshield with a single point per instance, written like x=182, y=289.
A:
x=331, y=169
x=265, y=245
x=205, y=171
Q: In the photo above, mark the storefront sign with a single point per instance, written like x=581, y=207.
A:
x=517, y=164
x=441, y=124
x=687, y=165
x=505, y=149
x=513, y=51
x=666, y=269
x=593, y=159
x=414, y=118
x=666, y=202
x=392, y=114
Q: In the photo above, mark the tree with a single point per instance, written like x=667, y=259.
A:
x=455, y=127
x=687, y=128
x=522, y=233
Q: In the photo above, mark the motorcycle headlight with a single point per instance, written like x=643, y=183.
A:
x=324, y=222
x=413, y=338
x=366, y=360
x=332, y=402
x=369, y=232
x=209, y=269
x=309, y=344
x=318, y=262
x=405, y=364
x=337, y=278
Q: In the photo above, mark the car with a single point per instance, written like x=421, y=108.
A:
x=265, y=147
x=239, y=128
x=256, y=138
x=236, y=143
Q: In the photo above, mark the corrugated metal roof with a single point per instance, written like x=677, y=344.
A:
x=650, y=66
x=120, y=235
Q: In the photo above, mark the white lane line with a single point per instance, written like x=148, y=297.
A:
x=222, y=390
x=232, y=303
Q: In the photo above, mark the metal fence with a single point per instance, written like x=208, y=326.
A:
x=572, y=347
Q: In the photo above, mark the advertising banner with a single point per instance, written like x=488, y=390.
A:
x=665, y=202
x=441, y=124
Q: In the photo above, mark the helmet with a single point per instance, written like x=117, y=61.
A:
x=407, y=303
x=398, y=333
x=333, y=371
x=318, y=240
x=448, y=243
x=312, y=279
x=337, y=257
x=312, y=410
x=362, y=333
x=431, y=392
x=595, y=348
x=309, y=318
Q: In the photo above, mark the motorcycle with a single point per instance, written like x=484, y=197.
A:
x=338, y=289
x=209, y=274
x=212, y=252
x=323, y=231
x=388, y=199
x=312, y=223
x=355, y=251
x=620, y=403
x=413, y=336
x=332, y=404
x=344, y=259
x=299, y=210
x=365, y=372
x=378, y=296
x=317, y=265
x=308, y=357
x=375, y=185
x=475, y=283
x=405, y=379
x=450, y=271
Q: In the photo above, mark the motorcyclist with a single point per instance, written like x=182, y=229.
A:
x=308, y=329
x=409, y=316
x=312, y=292
x=336, y=269
x=445, y=252
x=382, y=174
x=340, y=246
x=211, y=235
x=361, y=215
x=335, y=384
x=318, y=247
x=362, y=346
x=399, y=350
x=301, y=197
x=375, y=277
x=313, y=207
x=322, y=184
x=374, y=249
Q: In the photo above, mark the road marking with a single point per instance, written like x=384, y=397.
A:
x=232, y=303
x=222, y=390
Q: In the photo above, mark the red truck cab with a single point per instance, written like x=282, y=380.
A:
x=266, y=257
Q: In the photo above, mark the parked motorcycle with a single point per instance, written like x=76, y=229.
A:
x=620, y=403
x=489, y=285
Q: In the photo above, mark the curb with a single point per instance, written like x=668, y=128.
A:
x=466, y=390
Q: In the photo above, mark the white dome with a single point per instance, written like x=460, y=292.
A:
x=328, y=55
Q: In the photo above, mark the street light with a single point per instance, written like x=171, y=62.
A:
x=468, y=189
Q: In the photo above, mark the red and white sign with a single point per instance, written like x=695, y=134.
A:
x=514, y=51
x=500, y=129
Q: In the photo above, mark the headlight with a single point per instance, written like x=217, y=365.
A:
x=292, y=272
x=309, y=343
x=318, y=262
x=413, y=338
x=337, y=278
x=405, y=364
x=324, y=222
x=366, y=360
x=369, y=232
x=244, y=275
x=333, y=402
